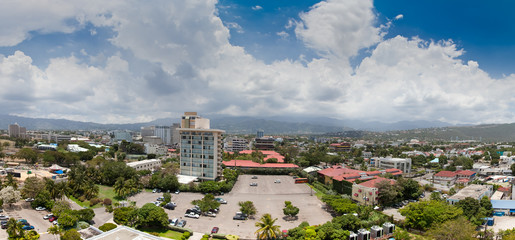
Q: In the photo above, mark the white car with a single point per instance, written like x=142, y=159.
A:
x=174, y=221
x=40, y=208
x=211, y=214
x=277, y=181
x=48, y=216
x=55, y=222
x=192, y=215
x=29, y=199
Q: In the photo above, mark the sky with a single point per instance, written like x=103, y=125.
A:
x=132, y=61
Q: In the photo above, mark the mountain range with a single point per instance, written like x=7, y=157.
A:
x=231, y=124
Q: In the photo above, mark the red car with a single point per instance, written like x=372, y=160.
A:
x=53, y=218
x=215, y=230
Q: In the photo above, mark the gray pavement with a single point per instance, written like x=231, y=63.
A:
x=268, y=197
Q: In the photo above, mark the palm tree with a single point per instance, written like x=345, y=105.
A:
x=14, y=228
x=55, y=230
x=267, y=229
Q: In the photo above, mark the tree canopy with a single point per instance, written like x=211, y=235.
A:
x=421, y=215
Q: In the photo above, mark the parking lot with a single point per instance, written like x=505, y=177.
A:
x=22, y=210
x=268, y=197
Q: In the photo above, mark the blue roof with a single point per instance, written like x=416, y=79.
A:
x=503, y=204
x=436, y=160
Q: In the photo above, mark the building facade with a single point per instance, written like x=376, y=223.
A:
x=165, y=133
x=15, y=130
x=404, y=164
x=149, y=164
x=236, y=144
x=200, y=148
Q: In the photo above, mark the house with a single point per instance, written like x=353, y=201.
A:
x=366, y=193
x=474, y=191
x=250, y=164
x=445, y=177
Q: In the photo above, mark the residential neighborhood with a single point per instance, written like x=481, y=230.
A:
x=89, y=184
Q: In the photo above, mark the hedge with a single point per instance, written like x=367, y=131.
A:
x=180, y=229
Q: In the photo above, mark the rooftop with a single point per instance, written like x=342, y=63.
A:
x=372, y=183
x=473, y=191
x=251, y=164
x=126, y=233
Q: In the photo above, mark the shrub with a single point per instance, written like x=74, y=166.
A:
x=154, y=233
x=108, y=202
x=82, y=198
x=107, y=226
x=94, y=201
x=185, y=235
x=109, y=208
x=82, y=225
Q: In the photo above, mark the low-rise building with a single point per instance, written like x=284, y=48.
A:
x=156, y=149
x=474, y=191
x=404, y=164
x=366, y=193
x=149, y=164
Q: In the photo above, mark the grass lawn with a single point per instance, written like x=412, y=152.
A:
x=167, y=233
x=103, y=192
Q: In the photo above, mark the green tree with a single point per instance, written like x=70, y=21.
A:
x=267, y=228
x=67, y=219
x=436, y=196
x=471, y=210
x=31, y=187
x=459, y=229
x=152, y=215
x=43, y=199
x=388, y=193
x=486, y=204
x=167, y=197
x=71, y=234
x=248, y=208
x=85, y=215
x=207, y=203
x=339, y=204
x=209, y=187
x=10, y=181
x=289, y=210
x=125, y=216
x=401, y=234
x=421, y=215
x=14, y=229
x=512, y=167
x=408, y=188
x=60, y=207
x=28, y=154
x=55, y=230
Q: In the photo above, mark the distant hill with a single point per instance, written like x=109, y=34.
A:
x=485, y=133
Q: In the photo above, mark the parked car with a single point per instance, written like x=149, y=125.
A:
x=182, y=223
x=4, y=217
x=192, y=215
x=177, y=191
x=52, y=218
x=277, y=181
x=214, y=230
x=174, y=221
x=22, y=220
x=27, y=227
x=29, y=199
x=253, y=184
x=55, y=222
x=161, y=199
x=170, y=206
x=221, y=200
x=48, y=216
x=211, y=214
x=239, y=217
x=254, y=177
x=40, y=208
x=4, y=224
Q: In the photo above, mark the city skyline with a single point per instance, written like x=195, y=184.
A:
x=120, y=62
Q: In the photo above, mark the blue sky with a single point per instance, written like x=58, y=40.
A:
x=482, y=28
x=350, y=59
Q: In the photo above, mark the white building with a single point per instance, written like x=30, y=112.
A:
x=403, y=164
x=156, y=149
x=201, y=148
x=149, y=164
x=76, y=148
x=236, y=144
x=165, y=133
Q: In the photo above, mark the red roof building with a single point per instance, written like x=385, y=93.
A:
x=251, y=164
x=367, y=193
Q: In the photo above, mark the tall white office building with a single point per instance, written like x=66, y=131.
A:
x=201, y=148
